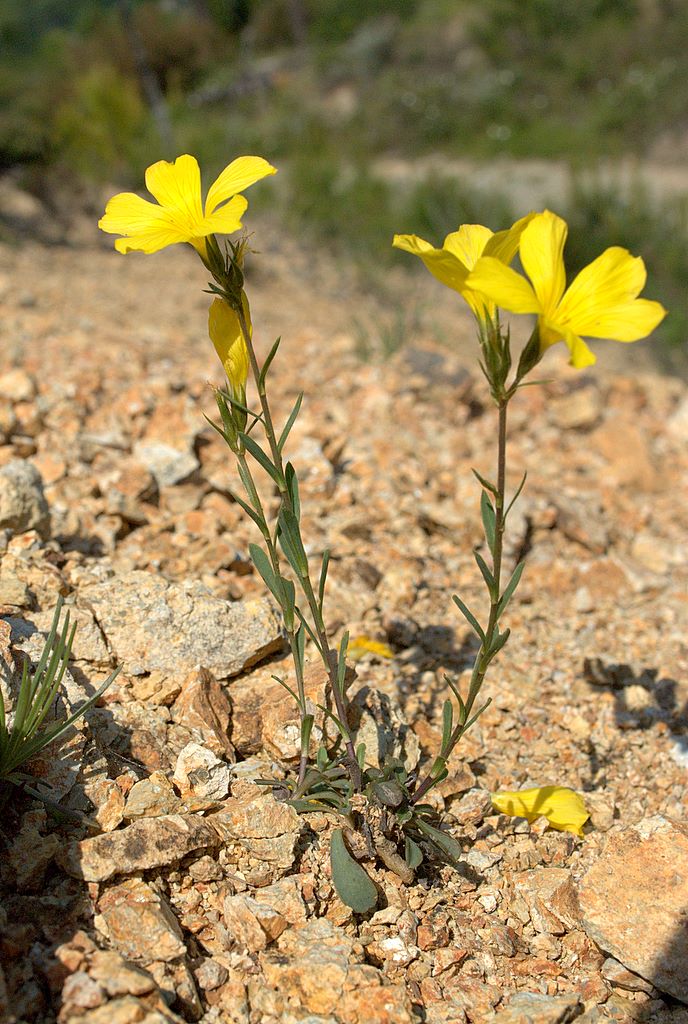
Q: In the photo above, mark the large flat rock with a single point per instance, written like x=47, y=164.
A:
x=634, y=902
x=153, y=625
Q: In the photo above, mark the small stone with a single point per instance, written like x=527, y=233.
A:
x=17, y=385
x=529, y=1007
x=210, y=975
x=151, y=798
x=634, y=899
x=14, y=593
x=140, y=923
x=550, y=896
x=168, y=465
x=145, y=844
x=22, y=502
x=200, y=773
x=118, y=977
x=473, y=807
x=618, y=975
x=30, y=853
x=252, y=925
x=202, y=706
x=81, y=991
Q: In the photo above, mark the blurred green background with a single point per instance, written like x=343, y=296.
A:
x=382, y=115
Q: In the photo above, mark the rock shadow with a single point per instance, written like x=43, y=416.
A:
x=641, y=699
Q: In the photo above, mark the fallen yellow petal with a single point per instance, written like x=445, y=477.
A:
x=564, y=809
x=361, y=645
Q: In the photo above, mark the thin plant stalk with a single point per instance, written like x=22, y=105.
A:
x=483, y=657
x=305, y=581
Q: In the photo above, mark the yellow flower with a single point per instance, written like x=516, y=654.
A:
x=564, y=809
x=361, y=645
x=460, y=253
x=181, y=215
x=225, y=333
x=601, y=302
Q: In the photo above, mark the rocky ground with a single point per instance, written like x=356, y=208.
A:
x=198, y=897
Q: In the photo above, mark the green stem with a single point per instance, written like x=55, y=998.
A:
x=273, y=554
x=305, y=582
x=483, y=659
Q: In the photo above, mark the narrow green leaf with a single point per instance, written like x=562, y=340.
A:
x=344, y=732
x=292, y=545
x=487, y=513
x=341, y=663
x=510, y=588
x=287, y=687
x=293, y=489
x=360, y=755
x=516, y=495
x=264, y=567
x=260, y=523
x=323, y=578
x=290, y=422
x=487, y=575
x=261, y=458
x=477, y=715
x=413, y=855
x=448, y=846
x=306, y=730
x=498, y=643
x=485, y=482
x=353, y=886
x=447, y=726
x=469, y=616
x=309, y=629
x=268, y=361
x=321, y=758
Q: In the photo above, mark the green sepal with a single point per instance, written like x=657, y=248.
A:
x=353, y=886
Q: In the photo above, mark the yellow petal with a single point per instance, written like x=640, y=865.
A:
x=242, y=172
x=600, y=301
x=502, y=285
x=628, y=322
x=564, y=809
x=227, y=219
x=225, y=333
x=468, y=243
x=541, y=251
x=177, y=187
x=443, y=265
x=504, y=244
x=361, y=645
x=148, y=227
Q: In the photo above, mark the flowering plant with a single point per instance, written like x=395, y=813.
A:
x=380, y=809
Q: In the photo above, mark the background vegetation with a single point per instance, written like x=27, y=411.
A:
x=357, y=101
